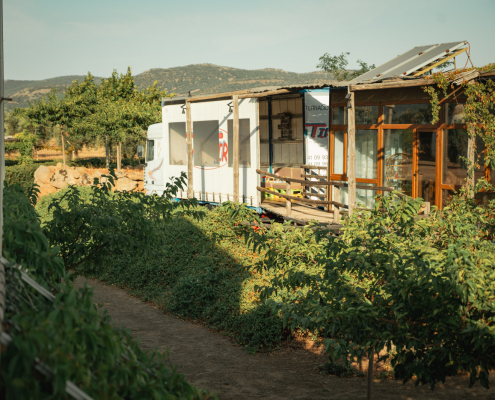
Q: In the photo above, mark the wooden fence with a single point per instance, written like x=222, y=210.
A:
x=335, y=194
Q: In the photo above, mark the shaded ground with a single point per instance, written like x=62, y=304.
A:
x=211, y=361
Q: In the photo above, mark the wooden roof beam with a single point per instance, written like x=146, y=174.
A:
x=265, y=94
x=216, y=96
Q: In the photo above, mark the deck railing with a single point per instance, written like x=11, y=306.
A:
x=326, y=183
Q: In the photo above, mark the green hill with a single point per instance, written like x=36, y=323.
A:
x=208, y=78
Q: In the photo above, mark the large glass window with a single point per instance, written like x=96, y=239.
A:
x=177, y=143
x=455, y=153
x=244, y=142
x=398, y=152
x=339, y=115
x=479, y=170
x=338, y=152
x=455, y=164
x=427, y=165
x=365, y=197
x=365, y=115
x=407, y=114
x=454, y=113
x=206, y=143
x=366, y=153
x=150, y=150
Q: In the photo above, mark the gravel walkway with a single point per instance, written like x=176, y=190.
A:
x=212, y=361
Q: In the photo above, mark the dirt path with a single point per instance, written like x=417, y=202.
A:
x=211, y=361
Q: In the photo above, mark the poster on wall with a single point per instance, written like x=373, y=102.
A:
x=316, y=130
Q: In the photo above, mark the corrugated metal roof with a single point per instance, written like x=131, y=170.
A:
x=260, y=90
x=410, y=61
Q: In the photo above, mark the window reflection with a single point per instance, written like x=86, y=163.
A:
x=366, y=153
x=338, y=152
x=407, y=114
x=455, y=163
x=454, y=113
x=244, y=143
x=365, y=115
x=206, y=141
x=177, y=143
x=398, y=151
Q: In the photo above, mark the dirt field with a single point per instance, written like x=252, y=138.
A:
x=211, y=361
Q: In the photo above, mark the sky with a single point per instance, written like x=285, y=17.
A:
x=49, y=38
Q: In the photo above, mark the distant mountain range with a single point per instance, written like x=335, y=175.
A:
x=208, y=78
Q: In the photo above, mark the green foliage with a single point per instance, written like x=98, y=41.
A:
x=108, y=223
x=341, y=370
x=70, y=335
x=24, y=146
x=120, y=111
x=336, y=65
x=424, y=286
x=479, y=108
x=22, y=175
x=197, y=269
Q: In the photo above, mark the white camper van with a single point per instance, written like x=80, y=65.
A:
x=281, y=132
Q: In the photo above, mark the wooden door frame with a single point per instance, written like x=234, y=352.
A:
x=438, y=166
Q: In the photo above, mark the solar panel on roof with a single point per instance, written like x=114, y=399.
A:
x=399, y=60
x=409, y=62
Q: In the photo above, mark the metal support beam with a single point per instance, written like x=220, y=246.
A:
x=190, y=193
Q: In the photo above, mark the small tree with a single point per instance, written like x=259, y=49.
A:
x=122, y=111
x=336, y=65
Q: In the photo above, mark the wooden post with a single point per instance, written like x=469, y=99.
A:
x=119, y=156
x=329, y=188
x=235, y=100
x=471, y=155
x=63, y=143
x=336, y=197
x=190, y=193
x=107, y=153
x=351, y=150
x=427, y=207
x=288, y=204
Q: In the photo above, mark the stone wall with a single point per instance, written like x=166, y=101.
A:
x=53, y=178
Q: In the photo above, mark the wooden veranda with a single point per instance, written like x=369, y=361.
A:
x=302, y=210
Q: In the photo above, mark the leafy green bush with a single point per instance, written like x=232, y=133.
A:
x=341, y=370
x=22, y=175
x=68, y=335
x=200, y=270
x=425, y=287
x=195, y=268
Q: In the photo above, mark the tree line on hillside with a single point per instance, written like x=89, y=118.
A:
x=87, y=114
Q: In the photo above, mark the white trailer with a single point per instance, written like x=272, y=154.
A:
x=279, y=131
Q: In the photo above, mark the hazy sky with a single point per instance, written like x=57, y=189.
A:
x=48, y=38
